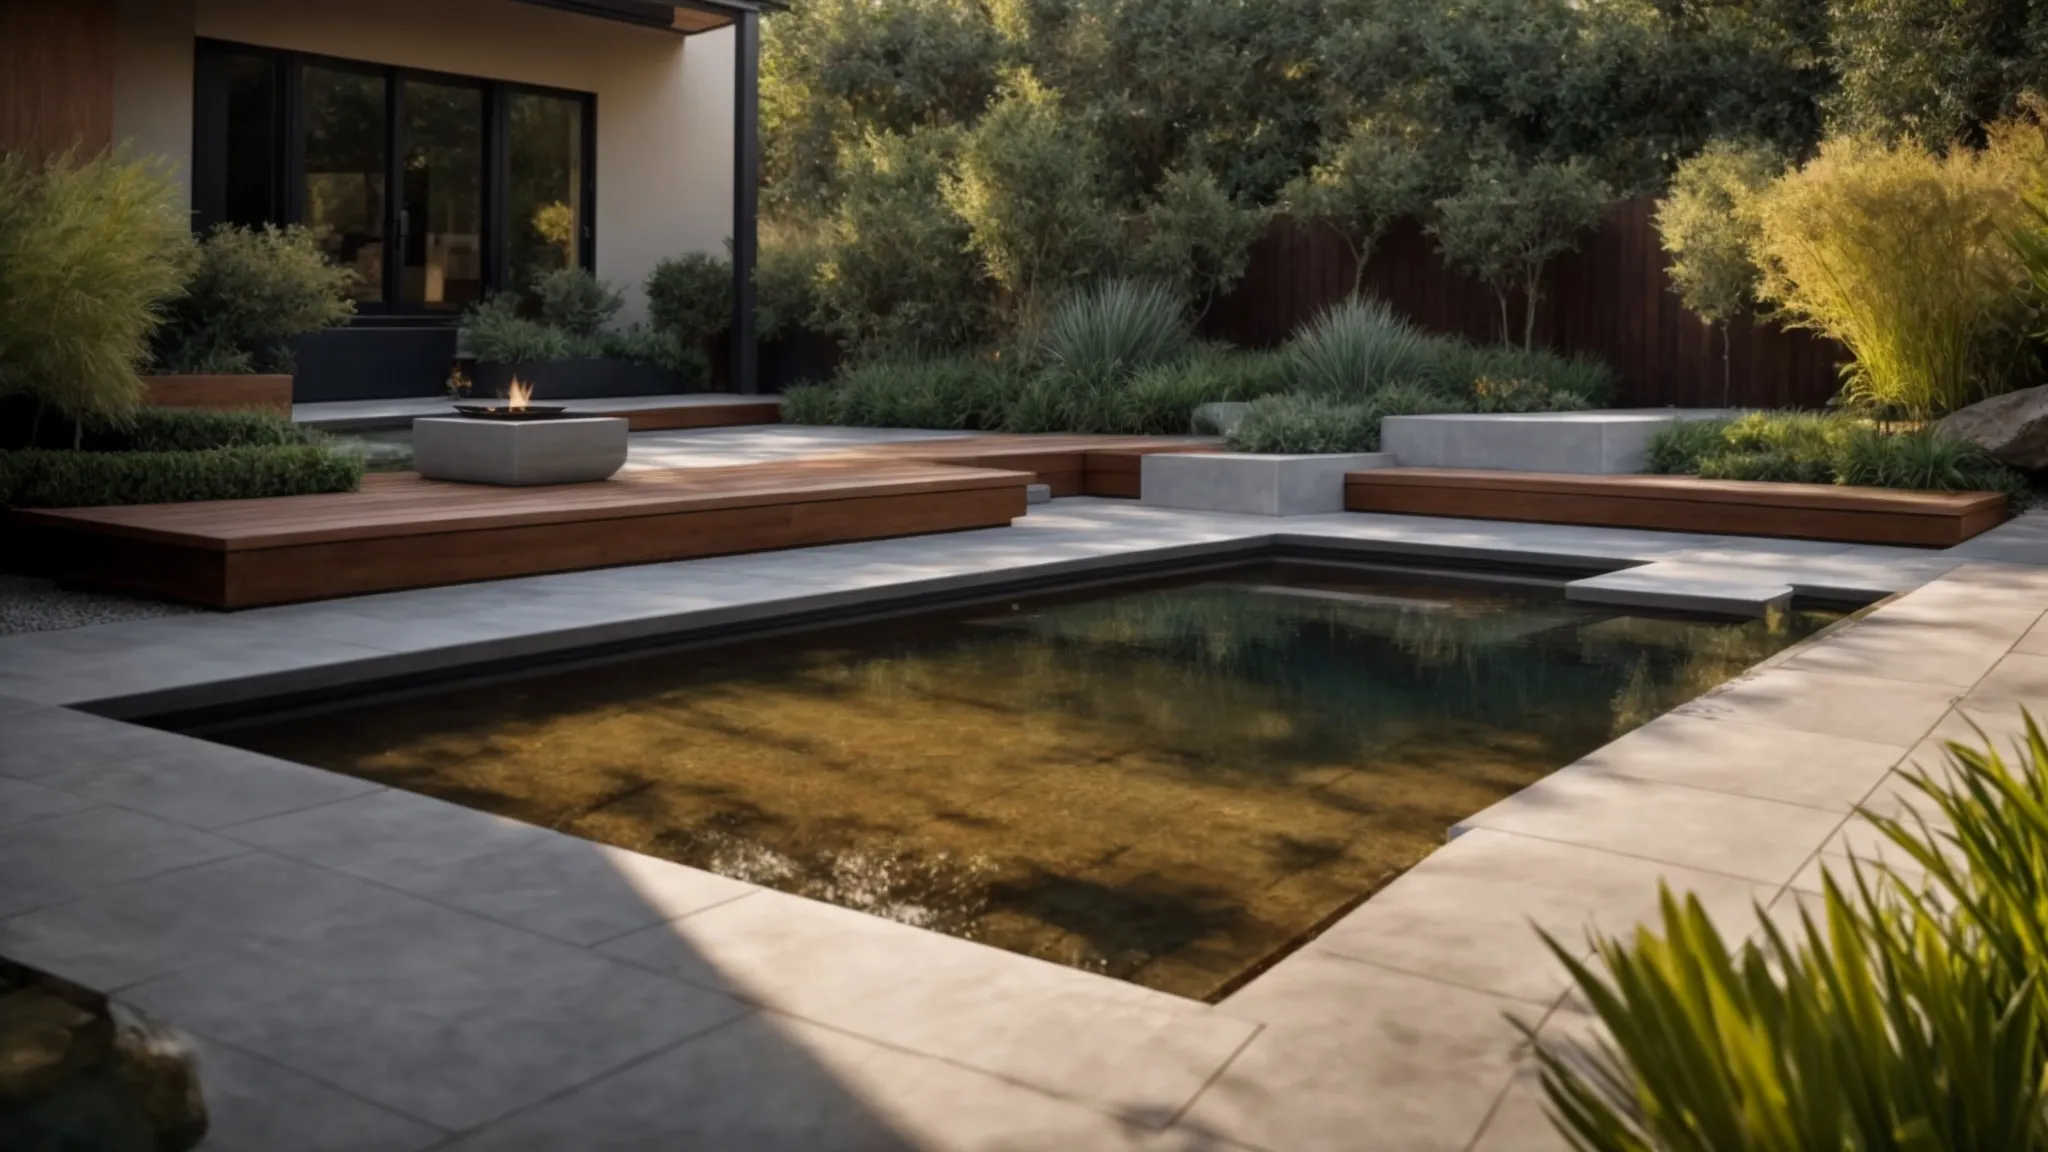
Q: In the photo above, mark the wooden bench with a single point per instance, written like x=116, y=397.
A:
x=726, y=414
x=263, y=393
x=400, y=531
x=1682, y=504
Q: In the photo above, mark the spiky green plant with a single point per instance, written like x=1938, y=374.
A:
x=1910, y=1016
x=1114, y=329
x=1355, y=347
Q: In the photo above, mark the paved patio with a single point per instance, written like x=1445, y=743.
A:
x=372, y=969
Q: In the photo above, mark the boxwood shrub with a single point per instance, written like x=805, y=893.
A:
x=47, y=478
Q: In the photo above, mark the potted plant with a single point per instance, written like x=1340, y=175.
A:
x=225, y=342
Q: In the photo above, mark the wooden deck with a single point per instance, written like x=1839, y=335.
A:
x=1682, y=504
x=1076, y=465
x=401, y=531
x=727, y=414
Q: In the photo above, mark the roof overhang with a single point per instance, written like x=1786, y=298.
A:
x=685, y=17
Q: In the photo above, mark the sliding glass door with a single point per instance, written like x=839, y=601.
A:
x=433, y=189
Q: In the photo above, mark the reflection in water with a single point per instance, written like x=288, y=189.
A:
x=1171, y=785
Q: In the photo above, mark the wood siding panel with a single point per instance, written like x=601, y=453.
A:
x=56, y=76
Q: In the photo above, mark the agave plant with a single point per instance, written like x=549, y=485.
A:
x=1906, y=1017
x=1355, y=348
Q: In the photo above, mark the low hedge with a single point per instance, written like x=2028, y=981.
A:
x=46, y=478
x=1817, y=448
x=193, y=430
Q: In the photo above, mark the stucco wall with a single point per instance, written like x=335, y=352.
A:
x=664, y=102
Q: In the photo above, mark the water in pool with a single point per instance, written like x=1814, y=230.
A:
x=1172, y=783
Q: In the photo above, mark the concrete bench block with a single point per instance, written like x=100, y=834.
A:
x=1257, y=485
x=1596, y=443
x=517, y=453
x=1647, y=587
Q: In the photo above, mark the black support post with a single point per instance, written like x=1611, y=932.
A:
x=746, y=198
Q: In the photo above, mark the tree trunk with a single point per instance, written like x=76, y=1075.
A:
x=1359, y=254
x=1530, y=294
x=1727, y=367
x=1507, y=331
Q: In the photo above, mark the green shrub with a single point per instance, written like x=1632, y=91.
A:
x=1509, y=220
x=1816, y=448
x=966, y=392
x=637, y=344
x=196, y=430
x=575, y=301
x=690, y=297
x=1197, y=237
x=1518, y=380
x=1706, y=228
x=1901, y=255
x=1677, y=447
x=1908, y=1015
x=250, y=291
x=1306, y=424
x=493, y=331
x=1355, y=347
x=90, y=254
x=1162, y=399
x=813, y=404
x=41, y=478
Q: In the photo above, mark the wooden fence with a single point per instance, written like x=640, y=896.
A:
x=1610, y=299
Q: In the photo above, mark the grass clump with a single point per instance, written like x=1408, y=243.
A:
x=1905, y=1015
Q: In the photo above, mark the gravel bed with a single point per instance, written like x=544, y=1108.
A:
x=31, y=605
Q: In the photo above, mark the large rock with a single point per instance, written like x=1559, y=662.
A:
x=78, y=1071
x=2012, y=427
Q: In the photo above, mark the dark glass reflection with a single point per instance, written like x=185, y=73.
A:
x=346, y=130
x=544, y=187
x=251, y=109
x=442, y=218
x=1171, y=785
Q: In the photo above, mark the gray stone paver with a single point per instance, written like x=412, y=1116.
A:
x=49, y=861
x=1358, y=1056
x=1469, y=917
x=438, y=1015
x=255, y=1105
x=1122, y=1047
x=538, y=985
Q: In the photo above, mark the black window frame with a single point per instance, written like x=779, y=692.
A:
x=209, y=171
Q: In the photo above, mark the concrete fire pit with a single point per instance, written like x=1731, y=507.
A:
x=568, y=450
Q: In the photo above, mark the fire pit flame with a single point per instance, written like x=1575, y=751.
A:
x=518, y=405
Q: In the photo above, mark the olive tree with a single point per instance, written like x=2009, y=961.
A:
x=1710, y=236
x=1509, y=221
x=1364, y=181
x=1030, y=184
x=1196, y=237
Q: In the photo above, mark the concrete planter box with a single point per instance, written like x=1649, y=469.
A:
x=1588, y=443
x=246, y=393
x=574, y=450
x=556, y=380
x=1256, y=485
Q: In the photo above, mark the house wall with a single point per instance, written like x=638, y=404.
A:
x=664, y=102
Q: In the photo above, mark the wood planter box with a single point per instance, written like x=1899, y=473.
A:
x=591, y=379
x=221, y=393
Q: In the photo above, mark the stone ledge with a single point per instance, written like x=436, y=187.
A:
x=1597, y=443
x=1253, y=485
